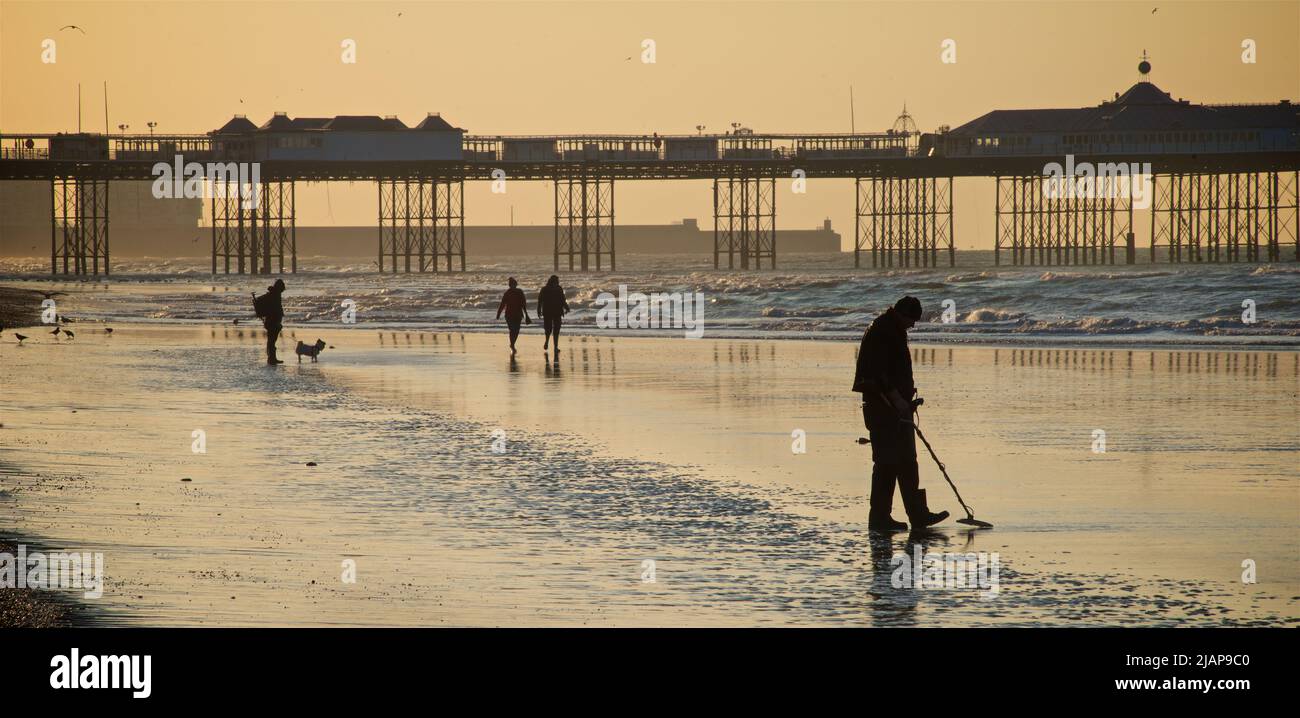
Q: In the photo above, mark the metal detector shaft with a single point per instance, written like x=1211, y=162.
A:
x=944, y=470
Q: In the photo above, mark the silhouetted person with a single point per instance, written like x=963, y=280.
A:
x=551, y=307
x=515, y=306
x=271, y=310
x=884, y=377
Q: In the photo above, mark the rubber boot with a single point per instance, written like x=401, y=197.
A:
x=885, y=524
x=918, y=512
x=882, y=500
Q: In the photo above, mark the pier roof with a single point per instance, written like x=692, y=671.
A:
x=1142, y=107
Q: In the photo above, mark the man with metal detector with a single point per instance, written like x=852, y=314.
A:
x=884, y=378
x=270, y=310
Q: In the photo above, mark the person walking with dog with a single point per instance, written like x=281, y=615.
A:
x=884, y=378
x=551, y=307
x=270, y=310
x=515, y=306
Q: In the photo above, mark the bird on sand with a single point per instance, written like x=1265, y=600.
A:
x=56, y=331
x=20, y=337
x=108, y=330
x=70, y=334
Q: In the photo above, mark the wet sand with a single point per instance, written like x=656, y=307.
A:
x=631, y=449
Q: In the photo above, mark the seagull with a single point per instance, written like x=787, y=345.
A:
x=72, y=27
x=1153, y=10
x=20, y=337
x=56, y=331
x=70, y=334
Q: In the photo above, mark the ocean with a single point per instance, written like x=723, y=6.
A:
x=813, y=296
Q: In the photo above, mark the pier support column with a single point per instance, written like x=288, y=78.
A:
x=278, y=230
x=1248, y=216
x=905, y=221
x=1041, y=221
x=79, y=226
x=584, y=221
x=254, y=224
x=744, y=221
x=420, y=221
x=449, y=223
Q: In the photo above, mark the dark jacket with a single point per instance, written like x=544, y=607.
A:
x=884, y=361
x=513, y=304
x=275, y=308
x=551, y=302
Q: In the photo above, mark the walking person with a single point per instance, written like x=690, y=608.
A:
x=551, y=307
x=884, y=378
x=515, y=306
x=270, y=310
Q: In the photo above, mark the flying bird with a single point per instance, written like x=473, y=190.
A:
x=72, y=27
x=1153, y=10
x=20, y=337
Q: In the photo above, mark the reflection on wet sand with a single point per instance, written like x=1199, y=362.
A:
x=625, y=449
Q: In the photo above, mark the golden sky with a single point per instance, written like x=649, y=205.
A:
x=549, y=67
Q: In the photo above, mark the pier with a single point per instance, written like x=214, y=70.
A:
x=1223, y=185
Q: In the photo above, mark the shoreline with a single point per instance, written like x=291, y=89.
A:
x=744, y=308
x=1099, y=342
